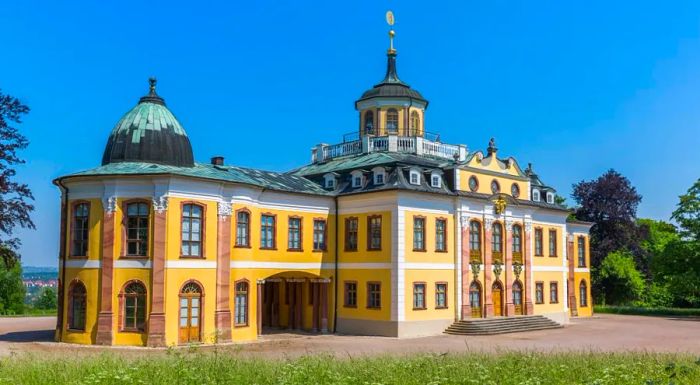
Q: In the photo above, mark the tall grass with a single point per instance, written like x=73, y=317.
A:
x=657, y=311
x=218, y=368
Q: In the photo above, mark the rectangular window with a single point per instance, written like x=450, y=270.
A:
x=351, y=234
x=418, y=234
x=80, y=230
x=319, y=234
x=553, y=292
x=379, y=178
x=538, y=242
x=418, y=296
x=374, y=295
x=267, y=232
x=192, y=231
x=350, y=294
x=552, y=243
x=137, y=229
x=581, y=252
x=539, y=292
x=294, y=234
x=440, y=295
x=440, y=235
x=242, y=229
x=374, y=229
x=241, y=304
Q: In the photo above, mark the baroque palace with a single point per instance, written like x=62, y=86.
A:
x=391, y=232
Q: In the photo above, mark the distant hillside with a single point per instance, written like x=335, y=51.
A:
x=39, y=269
x=39, y=273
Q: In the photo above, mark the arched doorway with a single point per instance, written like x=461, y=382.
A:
x=475, y=299
x=497, y=298
x=293, y=301
x=518, y=297
x=190, y=312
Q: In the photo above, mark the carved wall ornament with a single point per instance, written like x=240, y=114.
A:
x=497, y=268
x=465, y=220
x=110, y=204
x=517, y=269
x=499, y=205
x=476, y=268
x=509, y=223
x=225, y=209
x=160, y=204
x=528, y=227
x=488, y=222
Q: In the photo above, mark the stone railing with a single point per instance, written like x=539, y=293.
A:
x=415, y=145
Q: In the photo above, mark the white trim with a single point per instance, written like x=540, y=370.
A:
x=186, y=264
x=428, y=266
x=308, y=265
x=283, y=207
x=82, y=264
x=551, y=269
x=582, y=270
x=132, y=264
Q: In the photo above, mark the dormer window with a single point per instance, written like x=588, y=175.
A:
x=329, y=180
x=356, y=181
x=435, y=180
x=414, y=177
x=550, y=198
x=330, y=183
x=379, y=175
x=536, y=195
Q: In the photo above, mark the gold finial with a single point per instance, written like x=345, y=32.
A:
x=152, y=81
x=390, y=21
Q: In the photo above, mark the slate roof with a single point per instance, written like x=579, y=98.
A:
x=521, y=202
x=368, y=161
x=265, y=179
x=391, y=86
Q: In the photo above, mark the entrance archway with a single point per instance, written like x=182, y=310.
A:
x=497, y=298
x=293, y=301
x=518, y=297
x=190, y=312
x=475, y=299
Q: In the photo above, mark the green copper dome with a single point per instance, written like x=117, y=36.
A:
x=149, y=133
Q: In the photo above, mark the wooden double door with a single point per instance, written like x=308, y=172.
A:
x=190, y=314
x=497, y=298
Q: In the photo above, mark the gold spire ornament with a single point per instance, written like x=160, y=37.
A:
x=390, y=21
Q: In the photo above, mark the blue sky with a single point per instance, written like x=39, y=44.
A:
x=574, y=88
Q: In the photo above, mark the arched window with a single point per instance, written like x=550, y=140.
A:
x=134, y=307
x=415, y=123
x=517, y=240
x=475, y=299
x=497, y=238
x=475, y=236
x=80, y=230
x=190, y=312
x=369, y=122
x=392, y=120
x=242, y=228
x=518, y=297
x=77, y=306
x=241, y=303
x=137, y=229
x=583, y=293
x=192, y=230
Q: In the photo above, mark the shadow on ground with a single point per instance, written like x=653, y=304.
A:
x=28, y=336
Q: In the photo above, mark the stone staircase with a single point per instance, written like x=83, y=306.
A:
x=501, y=325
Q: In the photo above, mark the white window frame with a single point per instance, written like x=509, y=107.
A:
x=550, y=197
x=536, y=195
x=355, y=177
x=379, y=172
x=329, y=181
x=411, y=174
x=432, y=179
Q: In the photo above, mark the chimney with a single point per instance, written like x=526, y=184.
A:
x=217, y=160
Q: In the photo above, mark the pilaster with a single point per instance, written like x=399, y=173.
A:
x=105, y=317
x=527, y=258
x=156, y=319
x=223, y=272
x=570, y=287
x=508, y=271
x=488, y=268
x=466, y=280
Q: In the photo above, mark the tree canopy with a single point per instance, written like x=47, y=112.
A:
x=15, y=197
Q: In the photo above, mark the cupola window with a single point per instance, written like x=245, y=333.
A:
x=392, y=121
x=414, y=123
x=369, y=122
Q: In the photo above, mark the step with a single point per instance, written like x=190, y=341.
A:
x=488, y=326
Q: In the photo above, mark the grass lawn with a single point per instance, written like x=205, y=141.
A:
x=658, y=311
x=216, y=368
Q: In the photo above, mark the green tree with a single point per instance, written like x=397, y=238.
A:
x=619, y=280
x=687, y=213
x=678, y=268
x=46, y=299
x=11, y=289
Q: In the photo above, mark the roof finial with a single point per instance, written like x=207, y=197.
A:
x=152, y=81
x=390, y=21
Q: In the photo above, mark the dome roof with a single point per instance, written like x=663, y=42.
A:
x=391, y=86
x=149, y=133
